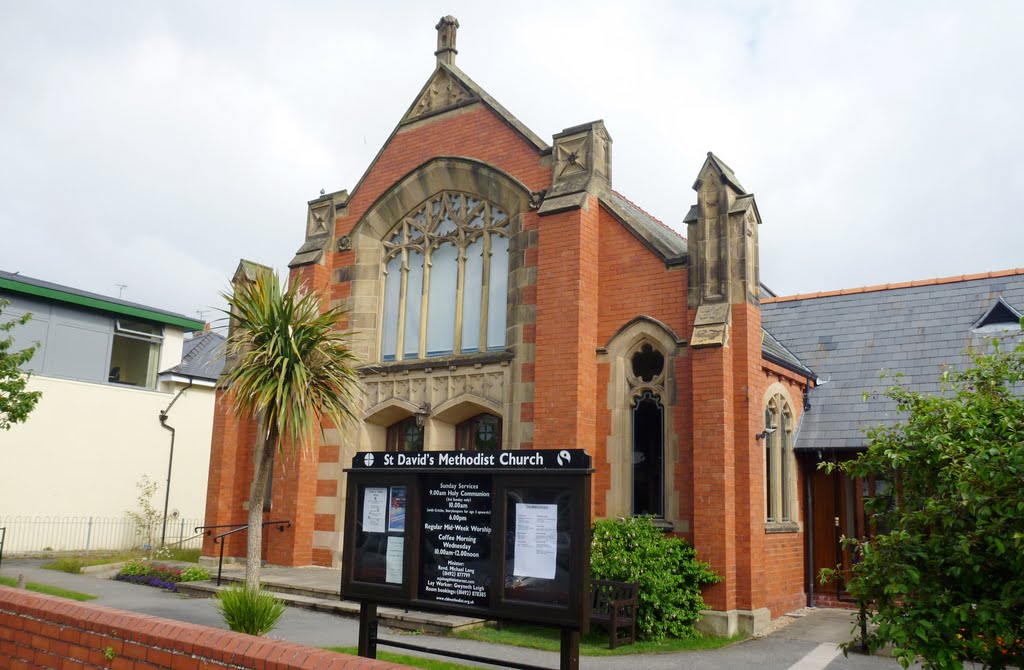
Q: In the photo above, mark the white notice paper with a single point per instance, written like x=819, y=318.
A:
x=393, y=572
x=536, y=540
x=375, y=509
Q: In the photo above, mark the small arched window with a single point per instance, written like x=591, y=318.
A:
x=480, y=433
x=405, y=435
x=445, y=279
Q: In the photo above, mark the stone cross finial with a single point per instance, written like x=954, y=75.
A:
x=447, y=28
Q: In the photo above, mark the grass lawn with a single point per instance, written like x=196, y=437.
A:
x=594, y=643
x=49, y=590
x=75, y=562
x=413, y=661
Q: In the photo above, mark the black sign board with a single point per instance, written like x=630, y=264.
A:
x=504, y=461
x=456, y=540
x=500, y=535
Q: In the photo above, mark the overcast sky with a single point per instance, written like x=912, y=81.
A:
x=154, y=144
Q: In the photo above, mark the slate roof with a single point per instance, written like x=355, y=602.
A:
x=848, y=338
x=202, y=357
x=655, y=234
x=779, y=354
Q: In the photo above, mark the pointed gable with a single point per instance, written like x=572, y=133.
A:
x=723, y=171
x=999, y=316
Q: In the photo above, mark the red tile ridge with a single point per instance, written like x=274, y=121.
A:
x=886, y=287
x=651, y=216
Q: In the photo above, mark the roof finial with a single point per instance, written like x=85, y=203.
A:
x=447, y=28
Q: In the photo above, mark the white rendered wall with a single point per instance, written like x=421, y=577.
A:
x=170, y=348
x=86, y=445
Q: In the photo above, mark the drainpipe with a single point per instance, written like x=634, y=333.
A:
x=170, y=460
x=809, y=520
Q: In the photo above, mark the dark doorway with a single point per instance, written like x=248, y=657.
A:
x=648, y=455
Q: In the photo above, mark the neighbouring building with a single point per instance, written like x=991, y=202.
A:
x=504, y=296
x=115, y=378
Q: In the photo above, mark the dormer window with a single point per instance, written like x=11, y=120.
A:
x=1000, y=318
x=445, y=279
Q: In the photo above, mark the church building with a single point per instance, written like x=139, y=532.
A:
x=503, y=295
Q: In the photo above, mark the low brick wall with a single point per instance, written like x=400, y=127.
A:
x=38, y=631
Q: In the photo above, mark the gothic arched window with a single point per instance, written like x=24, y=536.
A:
x=647, y=381
x=445, y=279
x=405, y=435
x=480, y=433
x=779, y=468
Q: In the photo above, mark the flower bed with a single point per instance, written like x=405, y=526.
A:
x=148, y=581
x=158, y=575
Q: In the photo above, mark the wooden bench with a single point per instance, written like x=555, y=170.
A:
x=614, y=604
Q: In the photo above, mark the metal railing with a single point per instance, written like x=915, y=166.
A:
x=235, y=528
x=3, y=536
x=26, y=535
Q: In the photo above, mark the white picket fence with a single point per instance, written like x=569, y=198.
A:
x=91, y=533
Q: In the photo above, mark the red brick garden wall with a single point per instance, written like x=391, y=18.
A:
x=38, y=631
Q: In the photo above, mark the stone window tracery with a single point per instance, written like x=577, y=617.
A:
x=778, y=460
x=445, y=271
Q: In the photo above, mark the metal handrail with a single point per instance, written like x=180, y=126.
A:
x=223, y=525
x=218, y=539
x=3, y=536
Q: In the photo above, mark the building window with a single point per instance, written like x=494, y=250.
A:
x=646, y=376
x=135, y=353
x=778, y=461
x=445, y=279
x=769, y=477
x=648, y=455
x=405, y=435
x=481, y=433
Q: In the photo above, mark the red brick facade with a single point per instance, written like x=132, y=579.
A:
x=38, y=631
x=589, y=283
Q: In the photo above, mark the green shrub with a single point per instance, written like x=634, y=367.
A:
x=135, y=567
x=248, y=611
x=194, y=573
x=666, y=567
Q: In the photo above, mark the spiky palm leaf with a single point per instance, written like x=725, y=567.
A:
x=290, y=362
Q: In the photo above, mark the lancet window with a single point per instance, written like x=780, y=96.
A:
x=778, y=460
x=646, y=376
x=445, y=279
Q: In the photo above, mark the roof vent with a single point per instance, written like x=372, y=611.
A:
x=1000, y=316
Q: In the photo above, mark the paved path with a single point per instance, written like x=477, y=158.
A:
x=809, y=643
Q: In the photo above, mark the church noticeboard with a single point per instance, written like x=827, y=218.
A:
x=499, y=535
x=455, y=540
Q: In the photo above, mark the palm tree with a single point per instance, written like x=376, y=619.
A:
x=289, y=366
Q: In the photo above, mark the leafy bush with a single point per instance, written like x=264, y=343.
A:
x=945, y=581
x=666, y=567
x=248, y=611
x=194, y=573
x=134, y=567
